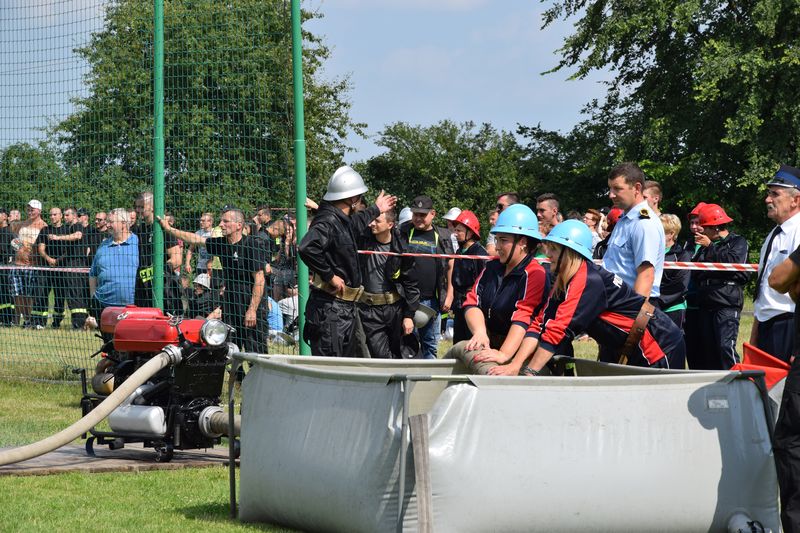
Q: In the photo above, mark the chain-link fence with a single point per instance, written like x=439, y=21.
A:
x=77, y=163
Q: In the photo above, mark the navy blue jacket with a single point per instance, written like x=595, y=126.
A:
x=508, y=299
x=601, y=304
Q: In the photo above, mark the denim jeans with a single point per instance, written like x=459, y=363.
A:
x=429, y=335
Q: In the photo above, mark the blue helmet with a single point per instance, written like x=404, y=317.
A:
x=518, y=219
x=573, y=234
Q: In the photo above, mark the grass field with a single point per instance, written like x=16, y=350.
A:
x=178, y=500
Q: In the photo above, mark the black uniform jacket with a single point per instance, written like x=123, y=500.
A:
x=722, y=289
x=508, y=299
x=329, y=247
x=466, y=271
x=601, y=304
x=398, y=269
x=675, y=282
x=443, y=246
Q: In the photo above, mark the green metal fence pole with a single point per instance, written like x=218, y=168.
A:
x=158, y=152
x=299, y=164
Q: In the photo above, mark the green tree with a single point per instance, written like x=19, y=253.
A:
x=704, y=93
x=227, y=113
x=460, y=165
x=31, y=172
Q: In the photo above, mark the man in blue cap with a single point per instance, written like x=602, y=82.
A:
x=773, y=329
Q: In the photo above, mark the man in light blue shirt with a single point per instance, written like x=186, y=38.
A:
x=636, y=246
x=113, y=274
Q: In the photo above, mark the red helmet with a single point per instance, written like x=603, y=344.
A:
x=712, y=215
x=613, y=216
x=696, y=211
x=468, y=219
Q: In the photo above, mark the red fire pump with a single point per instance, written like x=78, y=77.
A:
x=173, y=409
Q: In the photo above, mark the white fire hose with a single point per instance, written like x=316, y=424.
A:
x=171, y=355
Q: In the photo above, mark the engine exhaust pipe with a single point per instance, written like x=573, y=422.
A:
x=170, y=356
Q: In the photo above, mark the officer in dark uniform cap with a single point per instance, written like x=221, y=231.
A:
x=329, y=250
x=785, y=279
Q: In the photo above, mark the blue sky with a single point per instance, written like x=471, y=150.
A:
x=422, y=61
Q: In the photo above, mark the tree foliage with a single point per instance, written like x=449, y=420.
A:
x=462, y=165
x=704, y=93
x=227, y=106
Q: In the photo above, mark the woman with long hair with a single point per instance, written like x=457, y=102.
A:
x=586, y=297
x=507, y=294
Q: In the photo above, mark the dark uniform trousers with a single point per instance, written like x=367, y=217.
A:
x=693, y=336
x=57, y=281
x=7, y=315
x=461, y=330
x=776, y=336
x=382, y=326
x=786, y=448
x=330, y=325
x=40, y=298
x=719, y=329
x=77, y=293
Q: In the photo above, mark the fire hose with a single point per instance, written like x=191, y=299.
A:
x=170, y=355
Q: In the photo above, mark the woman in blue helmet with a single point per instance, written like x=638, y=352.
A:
x=507, y=293
x=586, y=297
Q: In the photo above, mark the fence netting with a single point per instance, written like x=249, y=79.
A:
x=77, y=160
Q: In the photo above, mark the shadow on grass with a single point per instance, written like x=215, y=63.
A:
x=219, y=513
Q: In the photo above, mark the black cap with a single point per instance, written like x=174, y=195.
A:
x=83, y=212
x=422, y=204
x=605, y=210
x=3, y=210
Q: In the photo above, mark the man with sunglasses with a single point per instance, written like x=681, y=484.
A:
x=96, y=234
x=503, y=200
x=773, y=329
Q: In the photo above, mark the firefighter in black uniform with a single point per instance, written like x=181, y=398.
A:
x=465, y=271
x=587, y=297
x=329, y=250
x=143, y=296
x=785, y=278
x=692, y=334
x=720, y=295
x=386, y=307
x=55, y=254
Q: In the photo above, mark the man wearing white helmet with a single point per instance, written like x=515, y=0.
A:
x=451, y=217
x=405, y=216
x=329, y=249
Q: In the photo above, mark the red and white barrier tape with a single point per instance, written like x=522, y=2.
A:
x=79, y=270
x=675, y=265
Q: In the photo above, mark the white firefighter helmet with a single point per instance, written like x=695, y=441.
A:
x=405, y=215
x=345, y=183
x=452, y=214
x=423, y=315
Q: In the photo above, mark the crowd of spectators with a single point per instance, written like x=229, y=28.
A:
x=67, y=266
x=67, y=263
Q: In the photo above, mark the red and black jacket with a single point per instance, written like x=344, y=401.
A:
x=601, y=304
x=508, y=299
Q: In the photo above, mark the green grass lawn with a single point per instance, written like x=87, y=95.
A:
x=193, y=500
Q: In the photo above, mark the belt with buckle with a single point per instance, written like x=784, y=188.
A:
x=349, y=294
x=380, y=298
